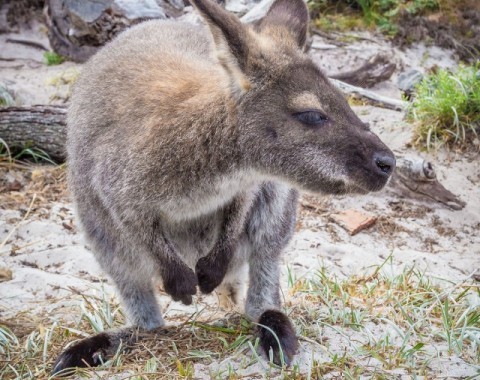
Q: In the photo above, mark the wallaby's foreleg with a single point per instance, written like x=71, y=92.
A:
x=144, y=233
x=269, y=229
x=211, y=269
x=179, y=281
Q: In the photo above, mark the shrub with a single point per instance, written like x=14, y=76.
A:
x=447, y=107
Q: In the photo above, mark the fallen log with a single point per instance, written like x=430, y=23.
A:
x=39, y=127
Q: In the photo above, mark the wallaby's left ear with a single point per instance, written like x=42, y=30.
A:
x=229, y=34
x=287, y=15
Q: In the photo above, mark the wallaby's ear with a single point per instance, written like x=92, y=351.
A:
x=230, y=37
x=289, y=16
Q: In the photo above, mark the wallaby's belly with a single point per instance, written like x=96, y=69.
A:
x=194, y=239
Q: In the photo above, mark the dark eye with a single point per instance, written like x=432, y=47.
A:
x=313, y=118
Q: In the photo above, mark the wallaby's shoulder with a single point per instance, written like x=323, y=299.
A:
x=166, y=63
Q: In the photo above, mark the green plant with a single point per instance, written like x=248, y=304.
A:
x=383, y=14
x=51, y=58
x=36, y=155
x=447, y=107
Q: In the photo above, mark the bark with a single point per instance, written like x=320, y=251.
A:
x=40, y=127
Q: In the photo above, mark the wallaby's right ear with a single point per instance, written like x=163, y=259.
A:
x=287, y=18
x=229, y=34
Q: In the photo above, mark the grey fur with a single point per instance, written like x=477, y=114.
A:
x=183, y=148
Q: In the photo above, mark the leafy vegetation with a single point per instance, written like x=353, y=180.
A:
x=348, y=14
x=447, y=107
x=51, y=58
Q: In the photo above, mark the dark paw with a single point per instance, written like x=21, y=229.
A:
x=90, y=352
x=279, y=323
x=181, y=285
x=210, y=273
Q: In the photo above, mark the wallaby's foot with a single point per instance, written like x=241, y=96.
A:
x=284, y=333
x=89, y=352
x=211, y=271
x=180, y=283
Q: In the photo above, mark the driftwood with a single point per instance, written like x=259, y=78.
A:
x=376, y=70
x=371, y=97
x=40, y=127
x=415, y=178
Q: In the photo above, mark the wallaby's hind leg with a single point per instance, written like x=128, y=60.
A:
x=142, y=312
x=93, y=351
x=269, y=229
x=138, y=298
x=133, y=280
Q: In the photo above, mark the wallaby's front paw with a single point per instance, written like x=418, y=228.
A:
x=181, y=285
x=210, y=273
x=90, y=352
x=283, y=332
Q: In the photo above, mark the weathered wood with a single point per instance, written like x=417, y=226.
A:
x=40, y=127
x=416, y=178
x=372, y=97
x=376, y=70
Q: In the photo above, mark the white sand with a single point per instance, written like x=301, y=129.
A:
x=51, y=265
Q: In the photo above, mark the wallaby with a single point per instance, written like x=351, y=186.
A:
x=187, y=147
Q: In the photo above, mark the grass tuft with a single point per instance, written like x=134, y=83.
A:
x=51, y=58
x=447, y=107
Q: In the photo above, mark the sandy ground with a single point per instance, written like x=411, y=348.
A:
x=51, y=264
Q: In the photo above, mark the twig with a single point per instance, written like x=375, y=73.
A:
x=33, y=44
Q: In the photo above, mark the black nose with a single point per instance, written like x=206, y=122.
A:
x=384, y=163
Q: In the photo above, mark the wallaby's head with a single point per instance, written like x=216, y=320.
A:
x=294, y=124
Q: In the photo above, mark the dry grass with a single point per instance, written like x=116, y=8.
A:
x=380, y=325
x=21, y=182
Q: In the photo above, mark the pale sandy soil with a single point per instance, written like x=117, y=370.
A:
x=52, y=267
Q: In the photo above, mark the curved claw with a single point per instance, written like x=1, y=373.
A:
x=279, y=329
x=90, y=352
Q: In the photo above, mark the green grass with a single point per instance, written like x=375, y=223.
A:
x=360, y=14
x=51, y=58
x=367, y=325
x=447, y=108
x=27, y=152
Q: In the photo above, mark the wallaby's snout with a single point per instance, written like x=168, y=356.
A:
x=371, y=163
x=384, y=163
